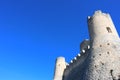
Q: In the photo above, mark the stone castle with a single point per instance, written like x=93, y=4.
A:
x=99, y=57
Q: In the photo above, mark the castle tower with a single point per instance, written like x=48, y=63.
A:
x=59, y=68
x=99, y=57
x=101, y=28
x=103, y=62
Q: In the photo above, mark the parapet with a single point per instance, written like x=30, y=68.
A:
x=97, y=13
x=77, y=61
x=85, y=45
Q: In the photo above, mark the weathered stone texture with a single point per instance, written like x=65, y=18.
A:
x=99, y=58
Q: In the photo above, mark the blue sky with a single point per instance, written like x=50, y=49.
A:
x=33, y=33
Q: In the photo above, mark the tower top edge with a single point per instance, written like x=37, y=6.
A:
x=98, y=12
x=60, y=57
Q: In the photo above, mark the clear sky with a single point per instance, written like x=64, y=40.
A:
x=33, y=33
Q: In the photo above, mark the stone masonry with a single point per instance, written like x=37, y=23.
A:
x=99, y=57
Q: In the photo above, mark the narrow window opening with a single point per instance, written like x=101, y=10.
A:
x=109, y=30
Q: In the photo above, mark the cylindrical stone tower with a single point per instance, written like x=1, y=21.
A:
x=103, y=62
x=59, y=68
x=101, y=27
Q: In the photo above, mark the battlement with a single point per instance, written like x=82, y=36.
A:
x=78, y=60
x=98, y=13
x=84, y=47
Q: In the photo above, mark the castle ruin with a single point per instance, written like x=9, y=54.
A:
x=99, y=57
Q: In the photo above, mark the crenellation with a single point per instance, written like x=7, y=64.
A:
x=78, y=55
x=88, y=47
x=75, y=58
x=71, y=61
x=75, y=65
x=74, y=61
x=88, y=17
x=99, y=13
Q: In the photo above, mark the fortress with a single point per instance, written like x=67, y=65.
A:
x=99, y=57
